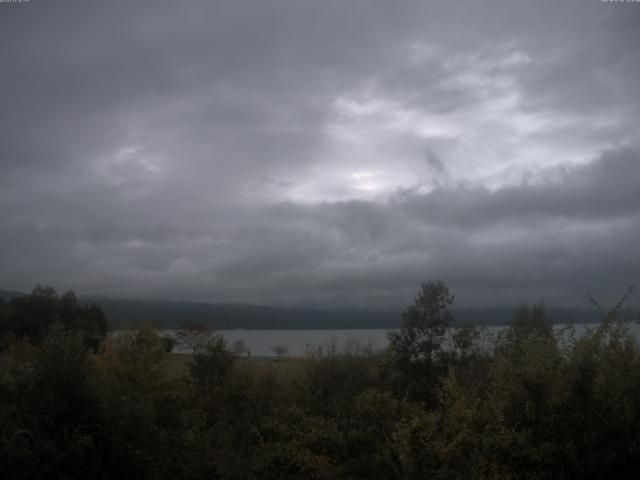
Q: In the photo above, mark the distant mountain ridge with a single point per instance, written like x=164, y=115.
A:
x=123, y=313
x=10, y=294
x=230, y=316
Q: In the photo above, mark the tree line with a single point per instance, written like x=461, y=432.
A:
x=528, y=402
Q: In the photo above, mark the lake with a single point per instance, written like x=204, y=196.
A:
x=296, y=342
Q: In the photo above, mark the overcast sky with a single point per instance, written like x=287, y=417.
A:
x=325, y=153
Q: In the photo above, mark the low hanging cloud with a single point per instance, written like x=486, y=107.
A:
x=320, y=153
x=556, y=238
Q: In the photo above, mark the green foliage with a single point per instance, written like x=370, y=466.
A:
x=441, y=404
x=54, y=409
x=143, y=410
x=334, y=378
x=418, y=345
x=424, y=324
x=211, y=363
x=32, y=316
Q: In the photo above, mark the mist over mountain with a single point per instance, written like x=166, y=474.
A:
x=124, y=313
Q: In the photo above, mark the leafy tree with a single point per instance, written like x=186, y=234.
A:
x=374, y=443
x=55, y=415
x=145, y=412
x=418, y=344
x=279, y=351
x=210, y=366
x=333, y=379
x=529, y=322
x=424, y=324
x=241, y=348
x=192, y=335
x=211, y=362
x=32, y=316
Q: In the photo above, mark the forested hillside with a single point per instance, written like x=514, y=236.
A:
x=128, y=313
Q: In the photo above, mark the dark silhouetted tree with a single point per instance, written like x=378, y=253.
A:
x=418, y=343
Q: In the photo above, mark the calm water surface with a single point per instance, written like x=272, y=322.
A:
x=296, y=342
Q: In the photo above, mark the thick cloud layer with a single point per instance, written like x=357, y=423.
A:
x=323, y=153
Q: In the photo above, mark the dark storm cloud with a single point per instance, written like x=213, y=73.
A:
x=608, y=188
x=322, y=152
x=574, y=233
